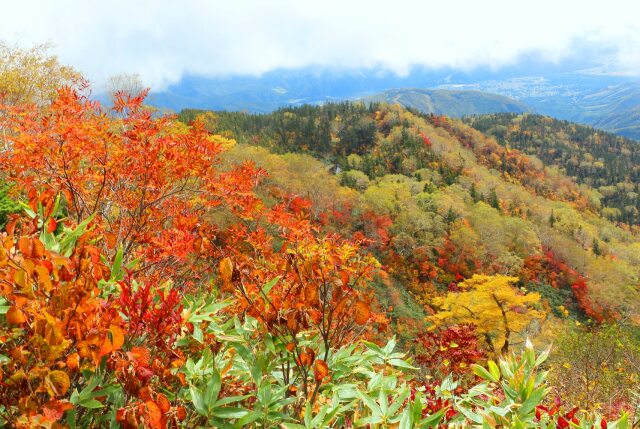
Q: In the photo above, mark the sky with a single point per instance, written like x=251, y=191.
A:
x=162, y=40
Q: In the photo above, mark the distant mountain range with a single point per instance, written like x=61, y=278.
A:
x=588, y=95
x=611, y=103
x=450, y=102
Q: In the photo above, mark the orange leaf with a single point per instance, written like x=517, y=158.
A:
x=226, y=270
x=51, y=225
x=106, y=348
x=198, y=245
x=306, y=357
x=53, y=410
x=181, y=413
x=117, y=337
x=73, y=361
x=154, y=415
x=24, y=244
x=15, y=316
x=362, y=312
x=311, y=295
x=139, y=355
x=344, y=276
x=110, y=239
x=320, y=369
x=163, y=403
x=44, y=281
x=145, y=394
x=37, y=249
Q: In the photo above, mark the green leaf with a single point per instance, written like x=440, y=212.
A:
x=406, y=422
x=213, y=388
x=198, y=401
x=391, y=344
x=71, y=419
x=370, y=403
x=383, y=400
x=131, y=265
x=373, y=347
x=433, y=420
x=267, y=287
x=474, y=417
x=494, y=370
x=249, y=418
x=543, y=356
x=483, y=373
x=91, y=404
x=399, y=363
x=621, y=423
x=198, y=335
x=230, y=412
x=398, y=401
x=116, y=267
x=531, y=402
x=308, y=415
x=230, y=399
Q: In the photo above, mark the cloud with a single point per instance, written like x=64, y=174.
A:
x=164, y=39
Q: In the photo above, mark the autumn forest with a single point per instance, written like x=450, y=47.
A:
x=344, y=265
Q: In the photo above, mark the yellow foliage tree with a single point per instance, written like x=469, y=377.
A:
x=32, y=75
x=491, y=303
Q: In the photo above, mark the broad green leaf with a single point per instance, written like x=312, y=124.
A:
x=433, y=420
x=531, y=402
x=483, y=373
x=230, y=412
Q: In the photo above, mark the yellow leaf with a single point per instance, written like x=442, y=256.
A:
x=57, y=383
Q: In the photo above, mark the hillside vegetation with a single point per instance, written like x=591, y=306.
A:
x=323, y=267
x=435, y=180
x=607, y=163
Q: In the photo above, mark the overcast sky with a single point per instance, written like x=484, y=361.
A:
x=164, y=39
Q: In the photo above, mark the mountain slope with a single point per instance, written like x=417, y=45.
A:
x=608, y=102
x=449, y=102
x=616, y=109
x=439, y=202
x=604, y=161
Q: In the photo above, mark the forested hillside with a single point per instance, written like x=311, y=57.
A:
x=339, y=266
x=435, y=178
x=608, y=163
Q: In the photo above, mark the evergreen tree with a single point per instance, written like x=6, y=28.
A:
x=596, y=247
x=493, y=200
x=474, y=193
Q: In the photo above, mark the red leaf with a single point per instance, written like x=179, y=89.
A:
x=51, y=225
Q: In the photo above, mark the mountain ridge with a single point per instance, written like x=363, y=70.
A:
x=455, y=103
